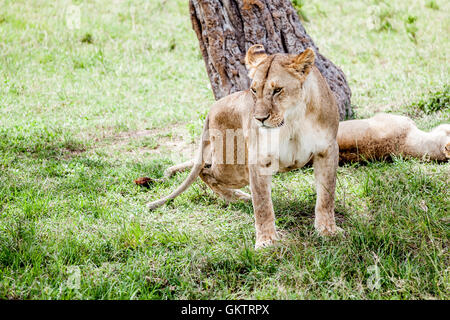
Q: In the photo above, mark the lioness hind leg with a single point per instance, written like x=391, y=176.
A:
x=178, y=168
x=241, y=195
x=229, y=195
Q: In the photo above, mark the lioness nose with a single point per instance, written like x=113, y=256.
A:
x=262, y=118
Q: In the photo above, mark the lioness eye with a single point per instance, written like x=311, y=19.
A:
x=277, y=90
x=253, y=90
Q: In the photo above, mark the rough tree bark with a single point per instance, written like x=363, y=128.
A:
x=227, y=28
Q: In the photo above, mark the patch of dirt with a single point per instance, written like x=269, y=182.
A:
x=174, y=142
x=70, y=153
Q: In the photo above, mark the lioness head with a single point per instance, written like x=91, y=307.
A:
x=277, y=82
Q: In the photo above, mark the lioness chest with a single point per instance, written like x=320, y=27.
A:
x=291, y=146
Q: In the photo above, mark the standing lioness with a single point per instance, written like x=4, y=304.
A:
x=287, y=118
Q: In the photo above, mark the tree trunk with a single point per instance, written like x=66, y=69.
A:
x=227, y=28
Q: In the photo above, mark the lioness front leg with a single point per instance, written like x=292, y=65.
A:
x=325, y=166
x=260, y=186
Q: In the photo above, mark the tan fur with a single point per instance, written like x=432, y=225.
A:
x=386, y=134
x=290, y=103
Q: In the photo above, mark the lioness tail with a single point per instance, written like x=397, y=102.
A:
x=195, y=171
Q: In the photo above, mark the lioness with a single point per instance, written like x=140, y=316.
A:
x=288, y=117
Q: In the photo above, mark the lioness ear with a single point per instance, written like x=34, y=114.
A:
x=255, y=55
x=303, y=62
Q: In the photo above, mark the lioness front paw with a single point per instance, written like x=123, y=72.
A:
x=266, y=242
x=328, y=230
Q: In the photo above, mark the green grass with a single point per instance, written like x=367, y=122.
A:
x=432, y=102
x=84, y=112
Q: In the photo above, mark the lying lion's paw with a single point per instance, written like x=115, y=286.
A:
x=447, y=150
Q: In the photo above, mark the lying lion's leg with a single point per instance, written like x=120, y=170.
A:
x=325, y=165
x=260, y=185
x=386, y=134
x=178, y=168
x=434, y=145
x=225, y=193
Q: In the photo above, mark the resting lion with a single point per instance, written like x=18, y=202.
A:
x=385, y=134
x=287, y=119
